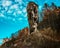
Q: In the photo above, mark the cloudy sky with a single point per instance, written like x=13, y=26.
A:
x=13, y=16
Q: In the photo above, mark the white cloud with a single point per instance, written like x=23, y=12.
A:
x=6, y=8
x=20, y=19
x=14, y=13
x=9, y=11
x=15, y=6
x=24, y=10
x=21, y=7
x=1, y=15
x=6, y=3
x=19, y=12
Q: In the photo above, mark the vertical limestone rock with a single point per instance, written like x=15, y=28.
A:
x=32, y=13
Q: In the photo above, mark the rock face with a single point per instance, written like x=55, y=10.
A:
x=45, y=38
x=32, y=13
x=42, y=39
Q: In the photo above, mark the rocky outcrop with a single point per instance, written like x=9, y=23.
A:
x=45, y=38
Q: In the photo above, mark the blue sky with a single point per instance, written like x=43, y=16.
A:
x=13, y=16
